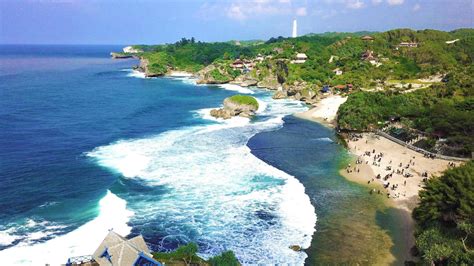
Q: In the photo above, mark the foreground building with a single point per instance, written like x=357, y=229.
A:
x=116, y=250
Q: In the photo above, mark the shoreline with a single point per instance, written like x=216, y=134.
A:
x=401, y=192
x=324, y=111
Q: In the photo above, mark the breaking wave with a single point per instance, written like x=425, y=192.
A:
x=81, y=241
x=217, y=193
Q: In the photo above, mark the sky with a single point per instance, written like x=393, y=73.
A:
x=155, y=21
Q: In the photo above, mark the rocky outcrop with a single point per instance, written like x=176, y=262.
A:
x=245, y=81
x=301, y=91
x=120, y=55
x=213, y=74
x=143, y=67
x=221, y=113
x=233, y=107
x=280, y=94
x=270, y=82
x=295, y=248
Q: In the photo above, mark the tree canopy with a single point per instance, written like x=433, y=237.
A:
x=445, y=218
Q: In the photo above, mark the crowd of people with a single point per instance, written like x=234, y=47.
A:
x=375, y=158
x=398, y=173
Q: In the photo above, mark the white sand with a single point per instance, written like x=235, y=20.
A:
x=325, y=110
x=174, y=73
x=405, y=196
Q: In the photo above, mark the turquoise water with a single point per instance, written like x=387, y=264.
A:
x=88, y=145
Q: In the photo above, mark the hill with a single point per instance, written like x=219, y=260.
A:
x=423, y=77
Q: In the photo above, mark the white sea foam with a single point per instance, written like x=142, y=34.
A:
x=325, y=139
x=7, y=237
x=218, y=190
x=235, y=87
x=135, y=73
x=82, y=241
x=187, y=80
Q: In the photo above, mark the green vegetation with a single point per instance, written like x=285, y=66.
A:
x=186, y=255
x=445, y=218
x=244, y=99
x=432, y=55
x=159, y=62
x=227, y=258
x=189, y=55
x=442, y=111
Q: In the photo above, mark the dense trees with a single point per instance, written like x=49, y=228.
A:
x=432, y=55
x=445, y=218
x=445, y=109
x=436, y=111
x=187, y=254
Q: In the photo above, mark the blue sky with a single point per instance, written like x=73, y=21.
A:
x=149, y=22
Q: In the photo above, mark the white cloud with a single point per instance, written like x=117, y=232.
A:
x=355, y=4
x=301, y=11
x=376, y=2
x=243, y=9
x=235, y=12
x=395, y=2
x=416, y=7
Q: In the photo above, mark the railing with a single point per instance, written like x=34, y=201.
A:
x=420, y=150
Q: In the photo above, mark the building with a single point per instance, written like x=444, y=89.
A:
x=300, y=58
x=344, y=88
x=337, y=71
x=237, y=64
x=408, y=44
x=368, y=55
x=116, y=250
x=367, y=38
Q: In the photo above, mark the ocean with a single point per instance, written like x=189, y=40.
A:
x=88, y=145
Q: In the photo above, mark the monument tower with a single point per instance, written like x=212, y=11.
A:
x=295, y=29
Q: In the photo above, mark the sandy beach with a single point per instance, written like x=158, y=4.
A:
x=325, y=111
x=399, y=169
x=397, y=173
x=175, y=73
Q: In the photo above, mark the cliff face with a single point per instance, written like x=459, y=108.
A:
x=232, y=107
x=143, y=67
x=266, y=78
x=213, y=74
x=120, y=55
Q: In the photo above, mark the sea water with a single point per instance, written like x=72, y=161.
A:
x=88, y=145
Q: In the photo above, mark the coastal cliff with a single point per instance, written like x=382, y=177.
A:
x=144, y=67
x=120, y=55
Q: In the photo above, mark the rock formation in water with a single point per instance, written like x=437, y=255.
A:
x=237, y=105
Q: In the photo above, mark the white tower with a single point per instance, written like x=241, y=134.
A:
x=295, y=29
